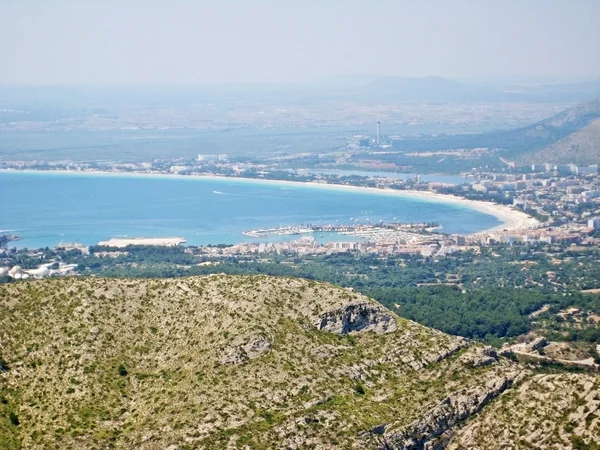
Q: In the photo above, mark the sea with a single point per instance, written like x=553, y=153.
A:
x=48, y=208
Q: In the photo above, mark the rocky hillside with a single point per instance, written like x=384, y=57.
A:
x=248, y=362
x=572, y=421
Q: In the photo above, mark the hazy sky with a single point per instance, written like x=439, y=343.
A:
x=123, y=41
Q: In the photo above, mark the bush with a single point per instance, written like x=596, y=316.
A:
x=359, y=389
x=14, y=419
x=122, y=370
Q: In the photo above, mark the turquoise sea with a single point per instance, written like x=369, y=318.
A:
x=46, y=208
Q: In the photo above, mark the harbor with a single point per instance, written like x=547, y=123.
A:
x=352, y=229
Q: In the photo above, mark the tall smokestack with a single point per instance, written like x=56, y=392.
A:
x=378, y=132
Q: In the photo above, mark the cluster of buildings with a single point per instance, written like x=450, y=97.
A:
x=571, y=178
x=308, y=245
x=567, y=234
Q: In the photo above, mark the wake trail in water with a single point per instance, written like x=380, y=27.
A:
x=246, y=195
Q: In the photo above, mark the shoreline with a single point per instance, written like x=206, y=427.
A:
x=510, y=218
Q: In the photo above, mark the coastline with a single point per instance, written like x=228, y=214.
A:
x=510, y=218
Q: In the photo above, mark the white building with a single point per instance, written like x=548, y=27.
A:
x=586, y=170
x=594, y=223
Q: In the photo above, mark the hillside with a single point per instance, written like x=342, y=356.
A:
x=569, y=136
x=571, y=423
x=236, y=362
x=579, y=147
x=534, y=142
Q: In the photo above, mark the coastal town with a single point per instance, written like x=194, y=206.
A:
x=534, y=203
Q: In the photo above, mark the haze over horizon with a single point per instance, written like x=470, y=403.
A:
x=67, y=42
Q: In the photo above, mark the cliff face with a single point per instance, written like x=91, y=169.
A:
x=356, y=317
x=230, y=362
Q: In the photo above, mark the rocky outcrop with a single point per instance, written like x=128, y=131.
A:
x=423, y=433
x=426, y=357
x=356, y=317
x=526, y=347
x=480, y=356
x=251, y=348
x=362, y=370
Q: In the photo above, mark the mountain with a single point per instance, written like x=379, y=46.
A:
x=390, y=84
x=253, y=362
x=569, y=136
x=579, y=147
x=564, y=131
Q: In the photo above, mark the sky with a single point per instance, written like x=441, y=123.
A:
x=186, y=41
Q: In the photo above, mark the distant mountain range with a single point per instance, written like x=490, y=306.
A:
x=360, y=88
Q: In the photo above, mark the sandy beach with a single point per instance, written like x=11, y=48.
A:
x=511, y=218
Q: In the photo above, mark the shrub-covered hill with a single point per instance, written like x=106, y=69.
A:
x=571, y=136
x=229, y=362
x=580, y=147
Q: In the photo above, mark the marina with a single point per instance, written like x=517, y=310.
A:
x=353, y=229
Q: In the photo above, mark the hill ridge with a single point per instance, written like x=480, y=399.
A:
x=228, y=362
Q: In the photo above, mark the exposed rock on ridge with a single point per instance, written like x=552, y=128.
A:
x=358, y=317
x=480, y=356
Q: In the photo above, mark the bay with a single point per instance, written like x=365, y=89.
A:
x=46, y=208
